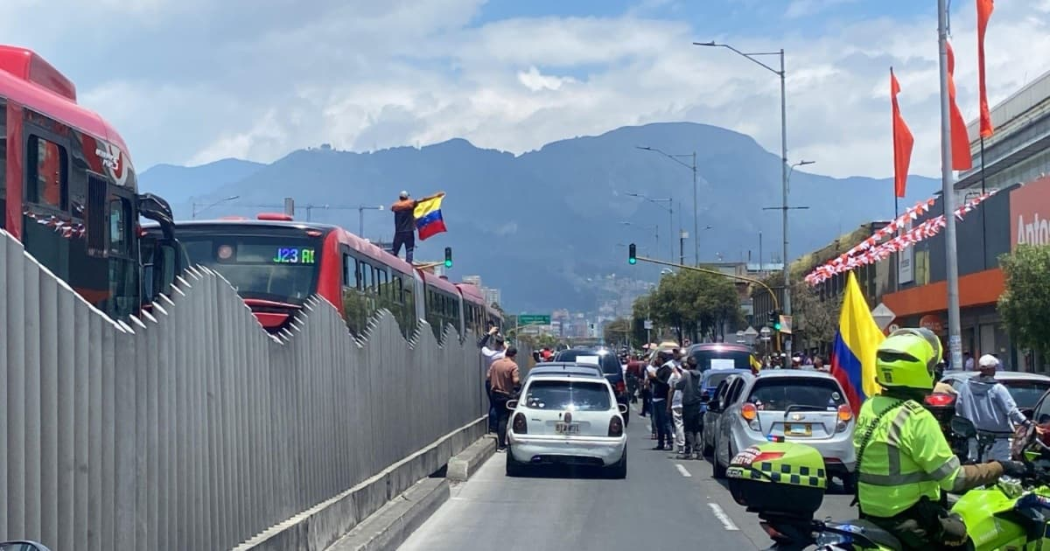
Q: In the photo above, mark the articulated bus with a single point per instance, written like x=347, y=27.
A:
x=276, y=264
x=68, y=188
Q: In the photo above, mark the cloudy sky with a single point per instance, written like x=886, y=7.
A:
x=193, y=81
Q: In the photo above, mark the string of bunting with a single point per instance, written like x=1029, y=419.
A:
x=870, y=250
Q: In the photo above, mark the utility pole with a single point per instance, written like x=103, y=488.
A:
x=948, y=194
x=681, y=246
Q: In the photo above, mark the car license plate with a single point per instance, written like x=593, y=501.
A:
x=804, y=429
x=567, y=428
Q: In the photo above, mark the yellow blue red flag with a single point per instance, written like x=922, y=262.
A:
x=428, y=217
x=853, y=352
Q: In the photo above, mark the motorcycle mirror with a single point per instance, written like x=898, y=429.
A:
x=963, y=427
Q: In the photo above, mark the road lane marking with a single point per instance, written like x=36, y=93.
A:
x=683, y=470
x=723, y=517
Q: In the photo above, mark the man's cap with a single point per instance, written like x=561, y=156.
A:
x=404, y=195
x=988, y=361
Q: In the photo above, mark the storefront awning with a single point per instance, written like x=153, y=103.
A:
x=977, y=289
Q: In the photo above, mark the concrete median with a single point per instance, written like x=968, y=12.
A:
x=464, y=465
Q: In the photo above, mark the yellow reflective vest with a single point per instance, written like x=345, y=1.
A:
x=905, y=458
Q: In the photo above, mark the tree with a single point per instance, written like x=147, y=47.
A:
x=695, y=303
x=617, y=331
x=1025, y=306
x=816, y=318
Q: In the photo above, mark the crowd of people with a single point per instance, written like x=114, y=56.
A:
x=669, y=388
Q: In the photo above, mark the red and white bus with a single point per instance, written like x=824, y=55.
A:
x=276, y=264
x=68, y=190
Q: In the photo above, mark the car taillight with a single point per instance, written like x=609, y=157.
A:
x=520, y=426
x=616, y=426
x=845, y=413
x=621, y=388
x=939, y=400
x=749, y=412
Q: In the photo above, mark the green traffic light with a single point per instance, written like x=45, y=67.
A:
x=632, y=260
x=632, y=254
x=448, y=263
x=776, y=326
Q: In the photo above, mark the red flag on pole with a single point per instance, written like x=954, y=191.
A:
x=961, y=159
x=903, y=141
x=984, y=12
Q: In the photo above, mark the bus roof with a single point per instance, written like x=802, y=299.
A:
x=369, y=249
x=29, y=80
x=435, y=281
x=471, y=293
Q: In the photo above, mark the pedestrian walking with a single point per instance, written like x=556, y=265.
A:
x=692, y=416
x=988, y=404
x=504, y=378
x=405, y=224
x=489, y=356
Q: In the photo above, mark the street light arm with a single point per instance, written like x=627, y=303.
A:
x=668, y=155
x=749, y=56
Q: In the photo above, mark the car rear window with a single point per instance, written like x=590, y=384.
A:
x=609, y=364
x=1026, y=393
x=560, y=395
x=714, y=378
x=806, y=393
x=721, y=359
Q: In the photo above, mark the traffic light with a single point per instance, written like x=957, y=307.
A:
x=774, y=319
x=448, y=257
x=632, y=254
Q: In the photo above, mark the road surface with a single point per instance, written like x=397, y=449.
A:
x=663, y=503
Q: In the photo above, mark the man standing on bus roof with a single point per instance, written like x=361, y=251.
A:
x=405, y=224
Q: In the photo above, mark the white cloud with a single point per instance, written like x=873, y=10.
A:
x=363, y=75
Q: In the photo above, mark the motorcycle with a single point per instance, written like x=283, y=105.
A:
x=1011, y=514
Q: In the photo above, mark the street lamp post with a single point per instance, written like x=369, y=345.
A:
x=948, y=193
x=195, y=211
x=696, y=208
x=782, y=73
x=670, y=213
x=361, y=218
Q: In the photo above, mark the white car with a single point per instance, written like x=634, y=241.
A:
x=568, y=419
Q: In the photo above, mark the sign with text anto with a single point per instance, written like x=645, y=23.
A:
x=534, y=319
x=1030, y=214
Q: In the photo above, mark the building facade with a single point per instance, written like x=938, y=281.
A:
x=1015, y=161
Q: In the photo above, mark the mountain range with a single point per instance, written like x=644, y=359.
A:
x=547, y=225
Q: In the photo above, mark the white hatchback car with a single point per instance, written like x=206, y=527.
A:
x=568, y=419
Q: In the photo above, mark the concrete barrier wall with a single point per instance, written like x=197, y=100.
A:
x=192, y=428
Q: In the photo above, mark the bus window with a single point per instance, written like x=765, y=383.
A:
x=48, y=181
x=119, y=231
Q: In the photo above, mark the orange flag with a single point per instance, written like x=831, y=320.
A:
x=903, y=141
x=984, y=12
x=961, y=159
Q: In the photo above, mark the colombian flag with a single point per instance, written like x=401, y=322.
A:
x=853, y=353
x=428, y=217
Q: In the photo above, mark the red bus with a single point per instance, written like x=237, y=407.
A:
x=68, y=190
x=276, y=264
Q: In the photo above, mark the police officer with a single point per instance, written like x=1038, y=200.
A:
x=903, y=458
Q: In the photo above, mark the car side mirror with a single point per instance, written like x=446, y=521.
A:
x=623, y=409
x=512, y=405
x=963, y=427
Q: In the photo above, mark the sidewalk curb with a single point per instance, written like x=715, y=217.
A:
x=464, y=465
x=390, y=526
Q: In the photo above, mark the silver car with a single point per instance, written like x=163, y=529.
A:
x=808, y=407
x=725, y=392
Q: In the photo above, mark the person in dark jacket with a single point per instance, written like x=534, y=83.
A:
x=405, y=224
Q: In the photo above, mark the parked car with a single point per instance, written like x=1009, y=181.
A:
x=571, y=419
x=610, y=365
x=807, y=407
x=720, y=355
x=710, y=380
x=725, y=393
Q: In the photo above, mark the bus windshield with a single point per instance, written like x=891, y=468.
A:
x=267, y=267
